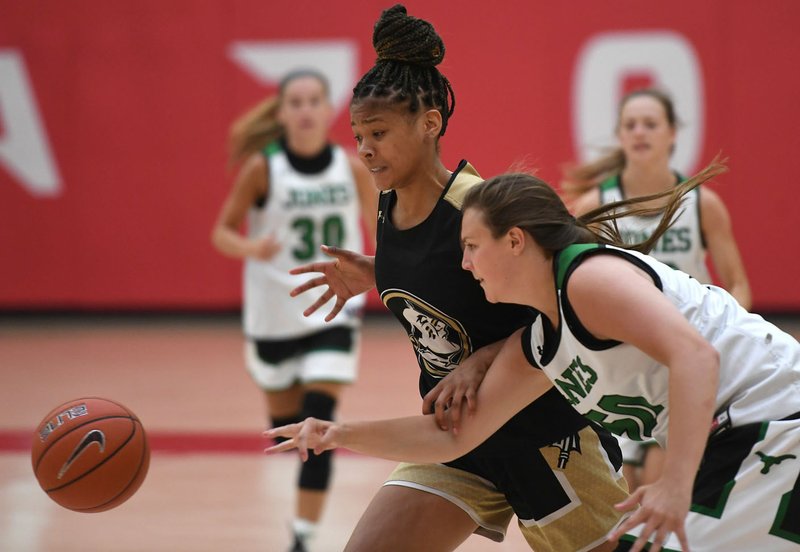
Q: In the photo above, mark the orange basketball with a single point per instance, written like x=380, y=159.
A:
x=90, y=454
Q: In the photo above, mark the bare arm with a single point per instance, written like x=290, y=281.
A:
x=462, y=383
x=721, y=243
x=616, y=300
x=250, y=184
x=510, y=385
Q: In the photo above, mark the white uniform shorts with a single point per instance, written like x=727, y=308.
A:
x=634, y=452
x=327, y=356
x=747, y=491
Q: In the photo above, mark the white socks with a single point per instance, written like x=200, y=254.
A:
x=304, y=528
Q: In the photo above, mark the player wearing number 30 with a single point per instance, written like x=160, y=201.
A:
x=308, y=206
x=297, y=191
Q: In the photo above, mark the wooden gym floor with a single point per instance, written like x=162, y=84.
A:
x=209, y=488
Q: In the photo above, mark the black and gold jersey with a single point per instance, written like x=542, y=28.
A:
x=445, y=312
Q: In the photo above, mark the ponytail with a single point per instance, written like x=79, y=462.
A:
x=255, y=129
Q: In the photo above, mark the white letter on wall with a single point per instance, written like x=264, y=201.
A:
x=270, y=61
x=664, y=58
x=24, y=148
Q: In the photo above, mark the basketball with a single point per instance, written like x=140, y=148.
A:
x=90, y=454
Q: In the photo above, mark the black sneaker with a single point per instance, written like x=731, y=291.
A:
x=299, y=545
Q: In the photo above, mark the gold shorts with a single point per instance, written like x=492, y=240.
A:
x=575, y=514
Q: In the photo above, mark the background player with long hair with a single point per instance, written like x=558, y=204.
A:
x=637, y=346
x=647, y=125
x=646, y=129
x=295, y=190
x=557, y=473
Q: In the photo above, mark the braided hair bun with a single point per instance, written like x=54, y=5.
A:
x=406, y=39
x=409, y=49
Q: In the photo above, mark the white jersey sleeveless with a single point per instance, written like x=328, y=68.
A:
x=682, y=246
x=620, y=387
x=302, y=211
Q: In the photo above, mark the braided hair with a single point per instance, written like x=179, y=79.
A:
x=409, y=49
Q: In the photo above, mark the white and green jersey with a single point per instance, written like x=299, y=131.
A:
x=302, y=210
x=682, y=246
x=626, y=391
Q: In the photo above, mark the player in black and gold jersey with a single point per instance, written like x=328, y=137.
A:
x=559, y=474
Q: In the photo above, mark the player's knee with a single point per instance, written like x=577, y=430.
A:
x=319, y=405
x=315, y=473
x=278, y=421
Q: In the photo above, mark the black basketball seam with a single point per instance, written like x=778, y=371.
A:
x=48, y=447
x=145, y=452
x=109, y=457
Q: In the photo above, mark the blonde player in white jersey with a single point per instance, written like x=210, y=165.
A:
x=636, y=346
x=296, y=191
x=646, y=131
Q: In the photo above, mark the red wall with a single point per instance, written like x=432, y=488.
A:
x=113, y=118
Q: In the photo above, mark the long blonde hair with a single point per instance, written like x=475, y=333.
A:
x=259, y=126
x=588, y=175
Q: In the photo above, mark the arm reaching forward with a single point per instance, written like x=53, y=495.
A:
x=510, y=385
x=461, y=384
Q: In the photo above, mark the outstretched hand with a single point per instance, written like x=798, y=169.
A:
x=445, y=400
x=318, y=435
x=348, y=275
x=662, y=509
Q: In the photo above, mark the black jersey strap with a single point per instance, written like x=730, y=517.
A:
x=565, y=262
x=526, y=346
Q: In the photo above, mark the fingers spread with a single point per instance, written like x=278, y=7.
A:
x=288, y=431
x=681, y=533
x=318, y=266
x=280, y=447
x=333, y=251
x=336, y=309
x=661, y=538
x=324, y=298
x=311, y=284
x=629, y=523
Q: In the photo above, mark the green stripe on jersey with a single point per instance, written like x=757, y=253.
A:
x=609, y=183
x=272, y=148
x=567, y=255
